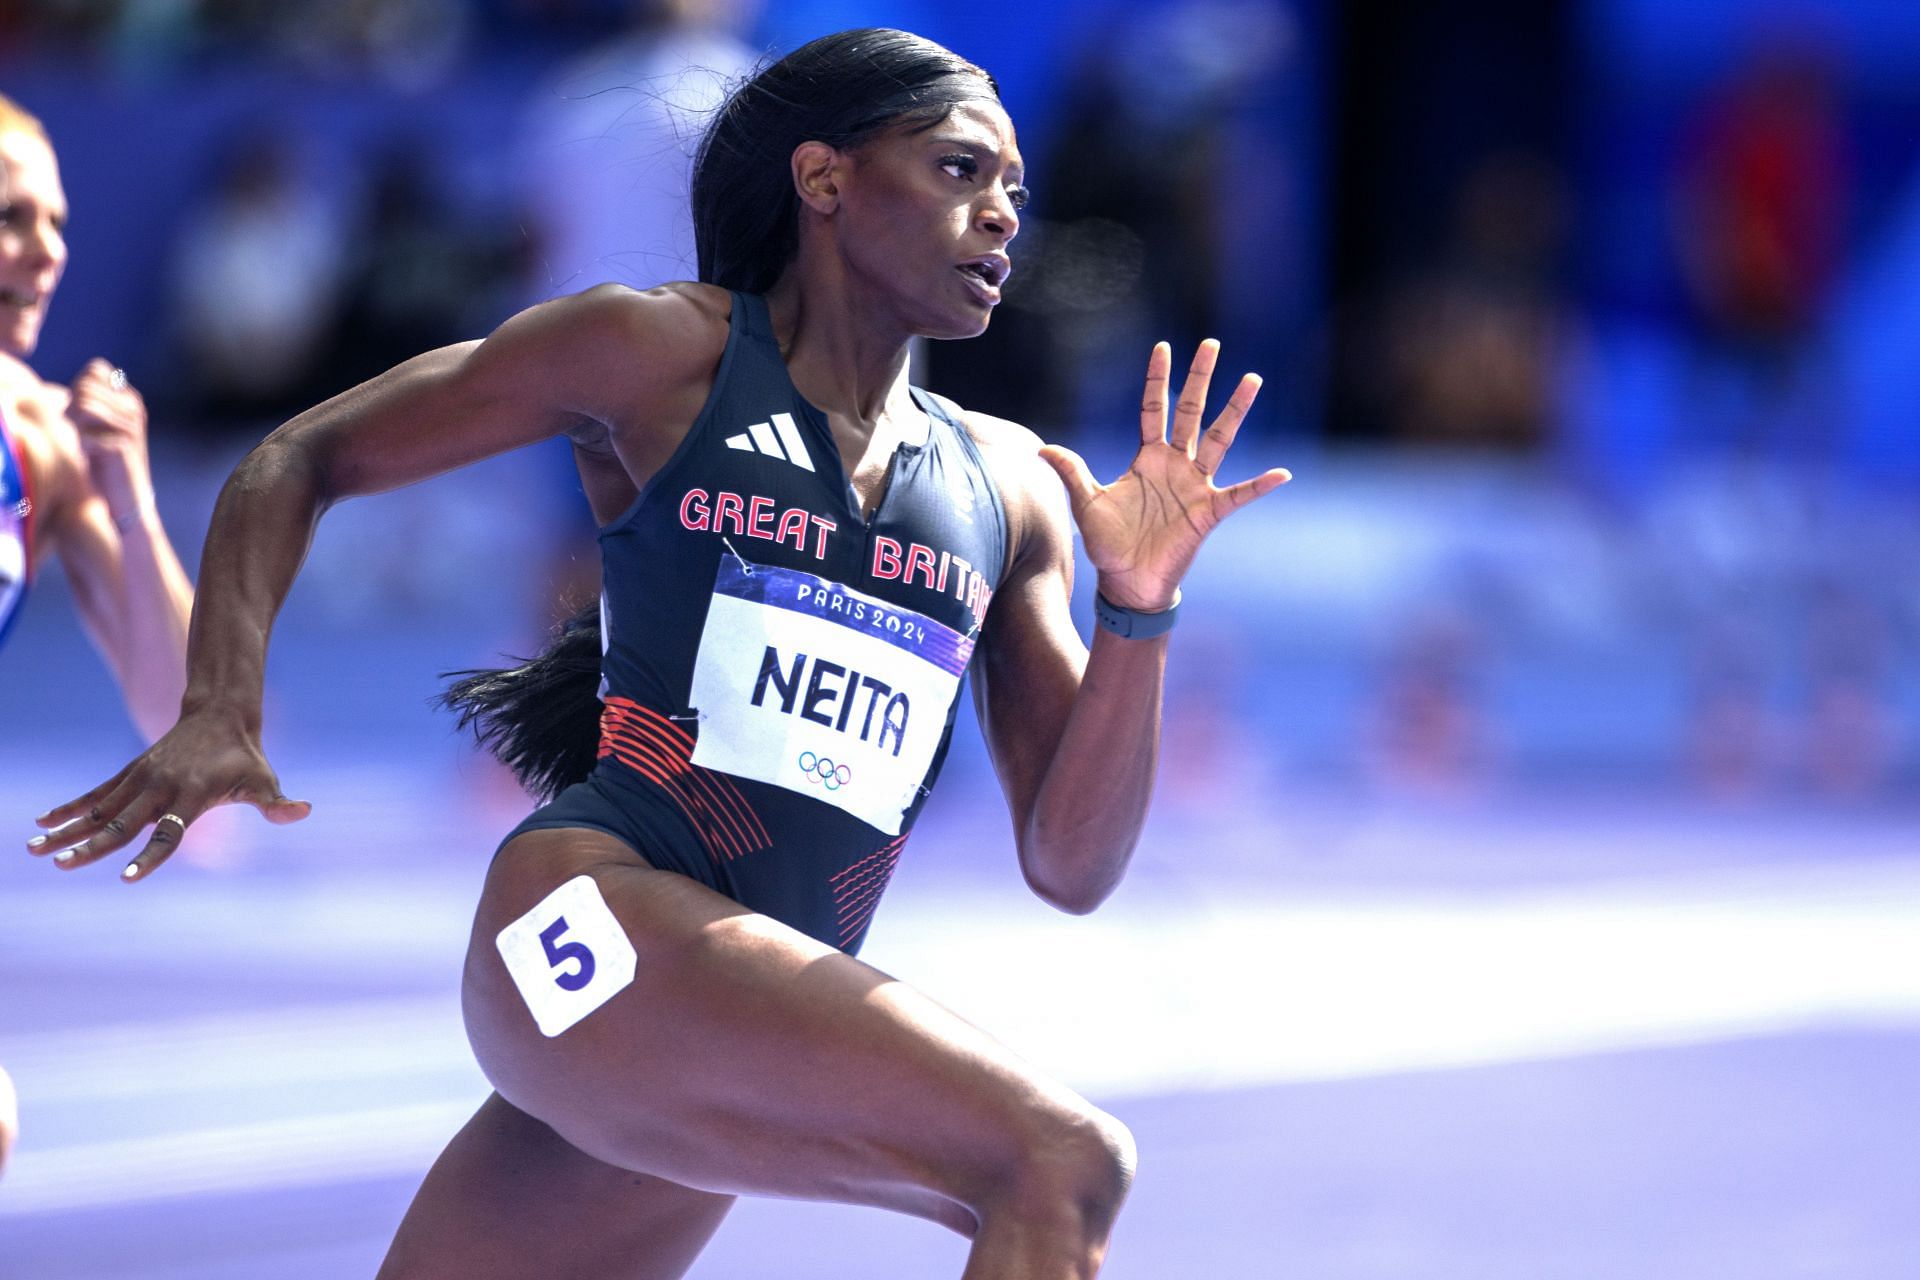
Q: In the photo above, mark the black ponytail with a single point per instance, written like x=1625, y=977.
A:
x=542, y=718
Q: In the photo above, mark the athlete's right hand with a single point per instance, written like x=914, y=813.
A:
x=202, y=762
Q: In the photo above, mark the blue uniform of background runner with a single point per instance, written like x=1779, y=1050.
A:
x=16, y=531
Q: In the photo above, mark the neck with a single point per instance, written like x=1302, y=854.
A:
x=845, y=354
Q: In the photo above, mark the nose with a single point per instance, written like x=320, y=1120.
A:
x=46, y=247
x=997, y=215
x=53, y=248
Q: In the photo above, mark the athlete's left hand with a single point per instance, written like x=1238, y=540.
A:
x=1142, y=531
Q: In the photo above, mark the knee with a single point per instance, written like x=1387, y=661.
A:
x=1104, y=1157
x=1075, y=1170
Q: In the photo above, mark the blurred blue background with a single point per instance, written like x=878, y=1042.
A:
x=1531, y=887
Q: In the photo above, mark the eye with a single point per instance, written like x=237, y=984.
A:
x=1018, y=197
x=960, y=165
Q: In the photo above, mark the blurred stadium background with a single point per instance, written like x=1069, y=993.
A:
x=1532, y=884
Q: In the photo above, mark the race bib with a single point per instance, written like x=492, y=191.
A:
x=567, y=956
x=806, y=684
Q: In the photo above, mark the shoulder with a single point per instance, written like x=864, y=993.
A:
x=610, y=353
x=665, y=308
x=989, y=432
x=36, y=420
x=1029, y=488
x=29, y=403
x=682, y=309
x=1011, y=450
x=659, y=333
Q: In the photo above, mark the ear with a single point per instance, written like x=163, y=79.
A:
x=816, y=173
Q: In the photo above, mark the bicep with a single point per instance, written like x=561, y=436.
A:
x=543, y=372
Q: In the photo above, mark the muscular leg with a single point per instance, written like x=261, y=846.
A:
x=509, y=1198
x=747, y=1058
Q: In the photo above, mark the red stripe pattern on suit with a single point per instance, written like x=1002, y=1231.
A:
x=857, y=890
x=662, y=752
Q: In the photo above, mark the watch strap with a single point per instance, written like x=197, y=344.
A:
x=1135, y=624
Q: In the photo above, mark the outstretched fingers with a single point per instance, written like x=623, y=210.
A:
x=96, y=816
x=1219, y=437
x=1153, y=403
x=167, y=831
x=61, y=815
x=112, y=815
x=111, y=826
x=171, y=826
x=1193, y=397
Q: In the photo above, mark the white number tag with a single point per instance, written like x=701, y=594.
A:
x=568, y=956
x=812, y=686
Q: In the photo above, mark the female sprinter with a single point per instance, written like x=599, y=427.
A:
x=73, y=469
x=800, y=554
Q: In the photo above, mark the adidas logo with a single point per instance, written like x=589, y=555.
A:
x=777, y=439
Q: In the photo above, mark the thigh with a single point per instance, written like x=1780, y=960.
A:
x=509, y=1198
x=746, y=1057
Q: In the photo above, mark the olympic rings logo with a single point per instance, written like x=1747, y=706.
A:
x=824, y=771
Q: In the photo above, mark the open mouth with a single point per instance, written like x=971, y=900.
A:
x=985, y=275
x=991, y=270
x=19, y=299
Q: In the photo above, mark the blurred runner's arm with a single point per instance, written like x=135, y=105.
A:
x=130, y=589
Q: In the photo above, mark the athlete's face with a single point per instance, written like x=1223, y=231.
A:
x=33, y=246
x=928, y=217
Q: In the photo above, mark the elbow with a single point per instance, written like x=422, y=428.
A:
x=1074, y=902
x=1076, y=886
x=1073, y=860
x=289, y=467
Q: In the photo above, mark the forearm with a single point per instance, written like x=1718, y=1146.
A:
x=258, y=538
x=156, y=601
x=1092, y=800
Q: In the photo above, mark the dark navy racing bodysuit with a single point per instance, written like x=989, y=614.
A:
x=780, y=674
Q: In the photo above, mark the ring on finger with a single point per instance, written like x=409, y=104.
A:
x=117, y=379
x=175, y=819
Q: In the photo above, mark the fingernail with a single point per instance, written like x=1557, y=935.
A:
x=133, y=869
x=36, y=842
x=63, y=858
